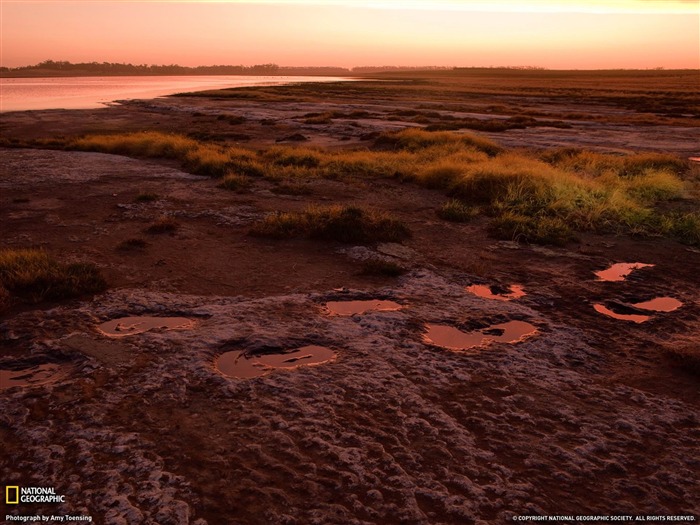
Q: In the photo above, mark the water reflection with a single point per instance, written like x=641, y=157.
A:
x=243, y=366
x=136, y=325
x=620, y=271
x=637, y=318
x=497, y=293
x=660, y=304
x=453, y=339
x=361, y=307
x=33, y=376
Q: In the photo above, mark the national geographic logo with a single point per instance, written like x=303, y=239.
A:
x=11, y=495
x=15, y=495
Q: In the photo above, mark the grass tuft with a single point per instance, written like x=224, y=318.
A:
x=147, y=197
x=32, y=276
x=163, y=224
x=539, y=230
x=132, y=244
x=235, y=182
x=346, y=224
x=456, y=211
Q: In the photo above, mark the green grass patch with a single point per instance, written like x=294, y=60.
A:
x=32, y=276
x=346, y=224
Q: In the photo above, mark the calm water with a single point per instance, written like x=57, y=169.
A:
x=19, y=94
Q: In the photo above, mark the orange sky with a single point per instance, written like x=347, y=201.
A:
x=547, y=33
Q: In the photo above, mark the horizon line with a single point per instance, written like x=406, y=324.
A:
x=670, y=7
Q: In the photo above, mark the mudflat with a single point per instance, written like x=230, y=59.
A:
x=587, y=411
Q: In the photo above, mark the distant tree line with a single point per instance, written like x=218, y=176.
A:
x=53, y=68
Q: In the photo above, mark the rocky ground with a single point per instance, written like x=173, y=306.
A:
x=588, y=415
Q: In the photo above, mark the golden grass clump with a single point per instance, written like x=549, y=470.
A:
x=31, y=275
x=414, y=139
x=141, y=144
x=456, y=211
x=346, y=224
x=235, y=182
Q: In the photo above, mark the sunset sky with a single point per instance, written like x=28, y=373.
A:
x=546, y=33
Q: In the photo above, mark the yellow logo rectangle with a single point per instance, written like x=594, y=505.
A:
x=9, y=499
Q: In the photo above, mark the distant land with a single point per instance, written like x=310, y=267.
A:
x=51, y=68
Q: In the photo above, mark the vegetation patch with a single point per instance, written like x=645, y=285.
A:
x=292, y=188
x=538, y=230
x=456, y=211
x=346, y=224
x=147, y=197
x=235, y=182
x=32, y=276
x=133, y=244
x=534, y=196
x=163, y=224
x=416, y=139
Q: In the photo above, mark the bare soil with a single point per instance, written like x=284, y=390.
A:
x=587, y=416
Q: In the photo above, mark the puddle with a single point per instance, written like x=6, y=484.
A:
x=361, y=307
x=637, y=318
x=33, y=376
x=498, y=293
x=620, y=271
x=237, y=364
x=137, y=325
x=453, y=339
x=660, y=304
x=627, y=312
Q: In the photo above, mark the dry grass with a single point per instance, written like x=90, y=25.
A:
x=133, y=244
x=346, y=224
x=235, y=182
x=457, y=211
x=147, y=197
x=32, y=276
x=163, y=224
